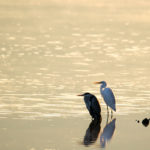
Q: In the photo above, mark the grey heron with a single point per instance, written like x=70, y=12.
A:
x=92, y=105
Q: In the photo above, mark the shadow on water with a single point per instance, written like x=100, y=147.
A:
x=107, y=133
x=92, y=132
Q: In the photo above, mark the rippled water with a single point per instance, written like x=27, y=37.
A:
x=51, y=51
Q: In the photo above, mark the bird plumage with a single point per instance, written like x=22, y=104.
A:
x=107, y=95
x=109, y=98
x=92, y=105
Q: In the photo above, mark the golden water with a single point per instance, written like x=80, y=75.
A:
x=51, y=51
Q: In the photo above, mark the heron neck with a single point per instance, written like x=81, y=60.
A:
x=102, y=87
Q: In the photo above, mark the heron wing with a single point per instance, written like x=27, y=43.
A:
x=95, y=105
x=109, y=98
x=87, y=102
x=92, y=105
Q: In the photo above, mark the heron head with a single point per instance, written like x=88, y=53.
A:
x=84, y=94
x=101, y=82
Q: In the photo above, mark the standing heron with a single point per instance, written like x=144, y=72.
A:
x=107, y=95
x=92, y=105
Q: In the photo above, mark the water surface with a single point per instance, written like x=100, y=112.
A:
x=53, y=50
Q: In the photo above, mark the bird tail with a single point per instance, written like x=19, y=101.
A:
x=114, y=107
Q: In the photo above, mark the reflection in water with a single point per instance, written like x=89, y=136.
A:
x=92, y=132
x=107, y=133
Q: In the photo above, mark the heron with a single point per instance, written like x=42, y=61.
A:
x=92, y=105
x=107, y=95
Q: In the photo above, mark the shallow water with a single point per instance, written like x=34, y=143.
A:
x=53, y=50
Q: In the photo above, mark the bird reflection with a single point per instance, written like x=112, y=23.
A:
x=107, y=133
x=92, y=132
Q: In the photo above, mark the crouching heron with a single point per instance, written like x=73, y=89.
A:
x=92, y=105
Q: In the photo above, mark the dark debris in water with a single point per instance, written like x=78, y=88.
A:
x=137, y=121
x=145, y=122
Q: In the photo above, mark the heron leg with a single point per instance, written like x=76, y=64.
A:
x=107, y=110
x=111, y=114
x=107, y=115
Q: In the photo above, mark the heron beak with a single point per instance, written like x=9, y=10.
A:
x=97, y=82
x=80, y=95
